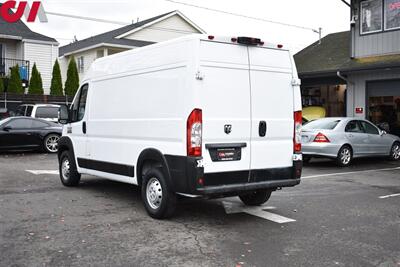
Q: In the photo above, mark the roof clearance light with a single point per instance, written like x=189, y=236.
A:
x=280, y=46
x=211, y=37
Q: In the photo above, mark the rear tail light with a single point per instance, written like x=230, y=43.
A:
x=297, y=132
x=194, y=133
x=321, y=138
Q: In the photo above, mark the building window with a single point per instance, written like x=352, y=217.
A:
x=371, y=16
x=100, y=53
x=392, y=14
x=81, y=65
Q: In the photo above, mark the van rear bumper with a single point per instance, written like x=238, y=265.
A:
x=238, y=188
x=187, y=176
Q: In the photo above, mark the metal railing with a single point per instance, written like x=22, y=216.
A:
x=7, y=63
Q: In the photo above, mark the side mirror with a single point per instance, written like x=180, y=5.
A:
x=63, y=114
x=382, y=132
x=7, y=128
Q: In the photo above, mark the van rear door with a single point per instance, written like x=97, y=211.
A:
x=224, y=96
x=272, y=108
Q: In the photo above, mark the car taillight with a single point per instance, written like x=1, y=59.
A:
x=297, y=131
x=194, y=133
x=321, y=138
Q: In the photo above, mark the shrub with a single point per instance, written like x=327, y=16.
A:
x=15, y=83
x=72, y=82
x=1, y=85
x=56, y=81
x=35, y=84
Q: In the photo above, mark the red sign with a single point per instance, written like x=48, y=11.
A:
x=23, y=9
x=359, y=110
x=394, y=6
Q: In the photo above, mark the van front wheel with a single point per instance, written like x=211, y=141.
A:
x=256, y=198
x=68, y=174
x=157, y=196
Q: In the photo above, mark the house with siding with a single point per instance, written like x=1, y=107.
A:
x=19, y=45
x=160, y=28
x=357, y=72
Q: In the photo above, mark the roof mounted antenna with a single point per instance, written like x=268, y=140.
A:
x=319, y=33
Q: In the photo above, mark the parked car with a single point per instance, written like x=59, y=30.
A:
x=22, y=133
x=346, y=138
x=200, y=123
x=46, y=112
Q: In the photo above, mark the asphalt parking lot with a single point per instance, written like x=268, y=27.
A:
x=336, y=217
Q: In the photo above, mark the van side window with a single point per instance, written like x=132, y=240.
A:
x=79, y=106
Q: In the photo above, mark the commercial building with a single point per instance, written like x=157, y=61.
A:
x=357, y=72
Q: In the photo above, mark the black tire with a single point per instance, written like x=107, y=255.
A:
x=154, y=183
x=306, y=159
x=70, y=177
x=395, y=152
x=345, y=156
x=50, y=143
x=256, y=198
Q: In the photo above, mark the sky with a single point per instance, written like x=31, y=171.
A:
x=330, y=15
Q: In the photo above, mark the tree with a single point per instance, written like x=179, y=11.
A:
x=35, y=84
x=56, y=81
x=1, y=85
x=72, y=82
x=15, y=83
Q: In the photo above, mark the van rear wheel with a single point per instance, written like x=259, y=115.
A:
x=158, y=199
x=256, y=198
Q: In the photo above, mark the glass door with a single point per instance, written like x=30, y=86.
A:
x=384, y=105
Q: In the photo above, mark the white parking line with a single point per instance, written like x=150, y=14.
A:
x=233, y=207
x=38, y=172
x=346, y=173
x=392, y=195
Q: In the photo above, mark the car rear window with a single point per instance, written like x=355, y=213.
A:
x=47, y=112
x=324, y=124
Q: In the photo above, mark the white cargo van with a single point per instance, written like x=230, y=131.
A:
x=195, y=116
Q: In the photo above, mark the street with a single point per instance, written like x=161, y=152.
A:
x=335, y=217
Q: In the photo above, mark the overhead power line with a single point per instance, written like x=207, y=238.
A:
x=87, y=18
x=114, y=22
x=245, y=16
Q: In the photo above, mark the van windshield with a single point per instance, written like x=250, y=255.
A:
x=322, y=124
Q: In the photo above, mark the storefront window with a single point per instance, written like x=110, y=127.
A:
x=392, y=14
x=371, y=16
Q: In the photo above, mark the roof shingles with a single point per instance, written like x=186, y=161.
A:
x=333, y=54
x=20, y=30
x=110, y=37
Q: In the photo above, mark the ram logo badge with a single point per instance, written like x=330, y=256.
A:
x=228, y=128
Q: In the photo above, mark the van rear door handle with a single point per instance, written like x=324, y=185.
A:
x=262, y=128
x=84, y=127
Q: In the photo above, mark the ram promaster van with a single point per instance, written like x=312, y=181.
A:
x=195, y=116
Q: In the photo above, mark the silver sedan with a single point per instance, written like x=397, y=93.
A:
x=346, y=138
